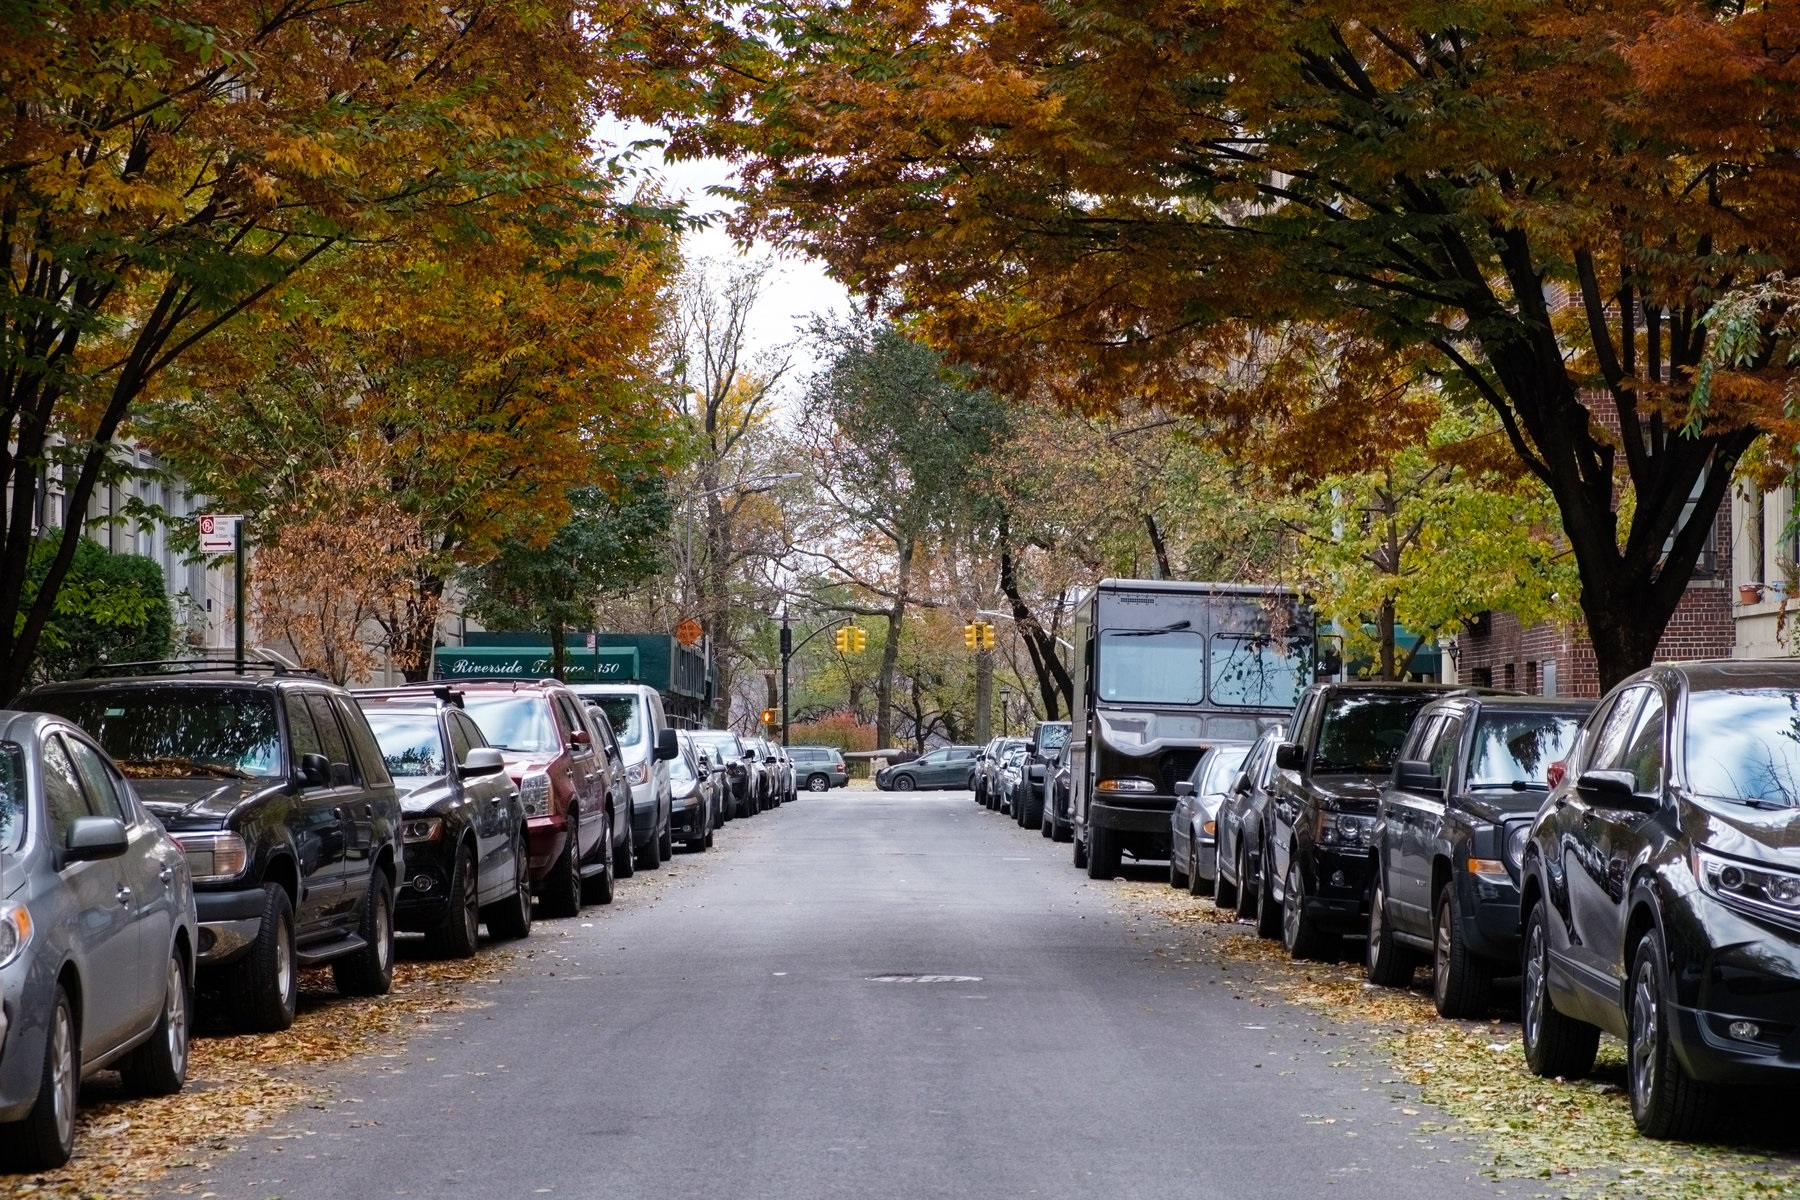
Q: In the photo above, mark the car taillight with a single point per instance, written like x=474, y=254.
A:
x=1553, y=774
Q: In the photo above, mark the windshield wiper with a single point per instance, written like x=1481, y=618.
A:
x=1511, y=785
x=1175, y=628
x=1760, y=805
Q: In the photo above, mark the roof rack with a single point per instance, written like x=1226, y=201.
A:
x=259, y=661
x=449, y=693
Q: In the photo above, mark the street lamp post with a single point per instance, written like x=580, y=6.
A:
x=1005, y=704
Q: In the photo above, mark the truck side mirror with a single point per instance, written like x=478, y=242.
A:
x=1414, y=776
x=666, y=745
x=1290, y=756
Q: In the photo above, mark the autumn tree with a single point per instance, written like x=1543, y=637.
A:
x=1111, y=199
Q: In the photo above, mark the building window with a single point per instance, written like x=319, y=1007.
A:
x=1549, y=677
x=1531, y=679
x=1507, y=675
x=1482, y=676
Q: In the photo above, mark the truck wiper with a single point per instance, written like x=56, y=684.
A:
x=1177, y=626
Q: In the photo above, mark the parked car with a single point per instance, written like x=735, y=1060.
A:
x=819, y=768
x=277, y=792
x=712, y=757
x=1056, y=825
x=787, y=777
x=768, y=773
x=1239, y=826
x=738, y=767
x=618, y=787
x=466, y=850
x=1193, y=828
x=1043, y=754
x=647, y=742
x=986, y=770
x=97, y=937
x=1661, y=891
x=572, y=822
x=945, y=767
x=1448, y=836
x=1006, y=790
x=695, y=796
x=1321, y=813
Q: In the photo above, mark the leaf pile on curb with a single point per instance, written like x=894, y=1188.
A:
x=1576, y=1137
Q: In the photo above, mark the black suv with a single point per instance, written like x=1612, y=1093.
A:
x=1320, y=817
x=468, y=857
x=1661, y=891
x=1043, y=754
x=276, y=790
x=1449, y=838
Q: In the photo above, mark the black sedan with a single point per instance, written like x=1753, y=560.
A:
x=466, y=859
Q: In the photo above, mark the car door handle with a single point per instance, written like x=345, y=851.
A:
x=124, y=894
x=495, y=799
x=166, y=874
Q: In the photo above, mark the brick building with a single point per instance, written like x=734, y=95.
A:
x=1548, y=660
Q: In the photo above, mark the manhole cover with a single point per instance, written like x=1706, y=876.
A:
x=924, y=979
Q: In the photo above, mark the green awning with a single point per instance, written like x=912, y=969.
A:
x=607, y=664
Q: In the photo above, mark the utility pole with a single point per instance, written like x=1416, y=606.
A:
x=984, y=695
x=787, y=654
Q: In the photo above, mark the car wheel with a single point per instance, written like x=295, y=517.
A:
x=624, y=856
x=370, y=971
x=598, y=888
x=665, y=847
x=1047, y=826
x=45, y=1137
x=1666, y=1102
x=709, y=839
x=510, y=919
x=1061, y=831
x=817, y=783
x=1556, y=1046
x=1198, y=884
x=1102, y=853
x=1268, y=910
x=903, y=783
x=1178, y=878
x=1246, y=885
x=1300, y=933
x=159, y=1066
x=650, y=857
x=1225, y=892
x=460, y=933
x=266, y=986
x=561, y=892
x=1461, y=984
x=1389, y=964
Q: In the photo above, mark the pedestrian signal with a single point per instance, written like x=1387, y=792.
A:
x=768, y=716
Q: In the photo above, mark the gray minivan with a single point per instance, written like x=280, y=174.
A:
x=648, y=743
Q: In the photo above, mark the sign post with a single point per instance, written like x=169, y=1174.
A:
x=222, y=533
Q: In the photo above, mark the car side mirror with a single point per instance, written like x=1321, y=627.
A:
x=749, y=756
x=482, y=760
x=1411, y=775
x=703, y=771
x=95, y=837
x=666, y=745
x=1290, y=756
x=1184, y=787
x=1242, y=784
x=315, y=770
x=1615, y=789
x=581, y=737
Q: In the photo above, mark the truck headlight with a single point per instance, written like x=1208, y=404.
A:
x=1125, y=785
x=1758, y=890
x=15, y=932
x=534, y=794
x=213, y=857
x=1347, y=830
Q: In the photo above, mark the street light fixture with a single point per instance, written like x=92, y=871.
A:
x=1005, y=707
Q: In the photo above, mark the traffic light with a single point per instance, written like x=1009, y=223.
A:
x=859, y=639
x=842, y=639
x=768, y=716
x=987, y=636
x=971, y=635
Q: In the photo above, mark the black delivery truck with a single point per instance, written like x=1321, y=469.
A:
x=1163, y=671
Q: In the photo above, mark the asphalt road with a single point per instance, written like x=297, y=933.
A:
x=722, y=1030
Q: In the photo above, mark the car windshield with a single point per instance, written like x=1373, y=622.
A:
x=1222, y=766
x=410, y=745
x=1363, y=731
x=1518, y=748
x=12, y=797
x=191, y=730
x=626, y=715
x=1151, y=666
x=1745, y=745
x=1054, y=737
x=516, y=721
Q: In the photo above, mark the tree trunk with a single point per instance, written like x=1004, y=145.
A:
x=890, y=650
x=558, y=653
x=1054, y=680
x=1161, y=549
x=1384, y=630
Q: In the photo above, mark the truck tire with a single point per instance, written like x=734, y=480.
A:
x=1300, y=933
x=370, y=971
x=265, y=986
x=1102, y=853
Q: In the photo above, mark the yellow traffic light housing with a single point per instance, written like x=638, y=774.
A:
x=859, y=639
x=842, y=640
x=987, y=636
x=971, y=636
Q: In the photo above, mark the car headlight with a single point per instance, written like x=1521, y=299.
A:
x=1517, y=835
x=1760, y=891
x=424, y=829
x=1125, y=785
x=15, y=932
x=534, y=794
x=637, y=773
x=213, y=857
x=1347, y=830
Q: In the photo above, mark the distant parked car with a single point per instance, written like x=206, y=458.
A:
x=770, y=778
x=738, y=766
x=278, y=794
x=986, y=770
x=819, y=768
x=695, y=795
x=1044, y=752
x=97, y=937
x=467, y=856
x=1449, y=837
x=711, y=756
x=1193, y=828
x=1661, y=892
x=945, y=767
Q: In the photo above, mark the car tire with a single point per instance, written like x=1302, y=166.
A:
x=45, y=1137
x=265, y=986
x=665, y=847
x=370, y=970
x=1225, y=892
x=902, y=783
x=159, y=1066
x=1047, y=825
x=1462, y=985
x=510, y=919
x=460, y=933
x=561, y=891
x=1556, y=1046
x=1300, y=933
x=598, y=887
x=624, y=857
x=1178, y=879
x=709, y=839
x=1666, y=1102
x=1061, y=831
x=1102, y=853
x=1268, y=911
x=650, y=856
x=1197, y=884
x=818, y=783
x=1246, y=890
x=1388, y=963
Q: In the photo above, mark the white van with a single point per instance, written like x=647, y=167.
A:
x=648, y=743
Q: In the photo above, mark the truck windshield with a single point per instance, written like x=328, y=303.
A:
x=178, y=731
x=1255, y=672
x=1363, y=731
x=1053, y=737
x=1151, y=666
